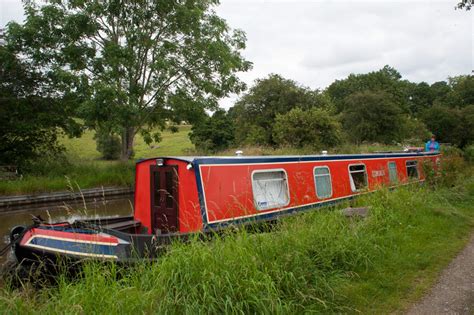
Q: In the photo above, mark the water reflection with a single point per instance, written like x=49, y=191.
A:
x=63, y=212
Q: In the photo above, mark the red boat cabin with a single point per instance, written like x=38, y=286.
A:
x=191, y=194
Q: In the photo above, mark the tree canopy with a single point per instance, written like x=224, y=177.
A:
x=31, y=113
x=213, y=133
x=132, y=63
x=254, y=113
x=314, y=127
x=386, y=80
x=373, y=116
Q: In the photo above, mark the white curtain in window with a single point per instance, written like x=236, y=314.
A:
x=270, y=189
x=322, y=179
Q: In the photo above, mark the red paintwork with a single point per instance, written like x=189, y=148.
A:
x=189, y=211
x=75, y=236
x=228, y=188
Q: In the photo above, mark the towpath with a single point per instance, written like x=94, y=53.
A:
x=454, y=291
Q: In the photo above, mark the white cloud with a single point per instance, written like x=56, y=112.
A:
x=317, y=42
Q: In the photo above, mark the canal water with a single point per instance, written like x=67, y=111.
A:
x=64, y=211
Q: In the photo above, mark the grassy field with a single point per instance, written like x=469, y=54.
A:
x=317, y=262
x=86, y=170
x=178, y=143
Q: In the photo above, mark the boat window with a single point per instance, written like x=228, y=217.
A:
x=357, y=177
x=322, y=180
x=392, y=172
x=270, y=189
x=412, y=169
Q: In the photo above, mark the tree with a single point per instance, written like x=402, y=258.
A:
x=440, y=91
x=462, y=91
x=386, y=79
x=314, y=127
x=445, y=123
x=464, y=4
x=31, y=115
x=255, y=112
x=107, y=144
x=420, y=97
x=467, y=114
x=214, y=133
x=132, y=62
x=373, y=116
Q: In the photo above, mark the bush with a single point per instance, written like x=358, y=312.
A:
x=214, y=133
x=469, y=153
x=450, y=168
x=307, y=128
x=373, y=117
x=108, y=144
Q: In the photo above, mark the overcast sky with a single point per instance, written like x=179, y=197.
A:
x=317, y=42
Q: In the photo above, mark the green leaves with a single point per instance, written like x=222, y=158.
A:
x=135, y=55
x=313, y=128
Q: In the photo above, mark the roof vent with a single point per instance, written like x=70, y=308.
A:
x=324, y=152
x=239, y=153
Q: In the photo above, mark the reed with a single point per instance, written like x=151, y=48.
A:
x=319, y=261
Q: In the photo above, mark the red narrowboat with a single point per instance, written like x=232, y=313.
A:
x=180, y=196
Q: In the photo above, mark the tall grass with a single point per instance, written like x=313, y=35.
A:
x=317, y=262
x=54, y=176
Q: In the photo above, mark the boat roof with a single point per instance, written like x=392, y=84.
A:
x=287, y=158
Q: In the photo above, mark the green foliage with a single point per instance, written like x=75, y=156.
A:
x=420, y=97
x=108, y=144
x=49, y=175
x=132, y=63
x=307, y=128
x=373, y=116
x=319, y=262
x=415, y=131
x=469, y=153
x=31, y=115
x=462, y=91
x=214, y=133
x=386, y=80
x=452, y=125
x=254, y=113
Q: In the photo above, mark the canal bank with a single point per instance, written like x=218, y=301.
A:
x=19, y=202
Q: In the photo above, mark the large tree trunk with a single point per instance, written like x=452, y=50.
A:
x=128, y=136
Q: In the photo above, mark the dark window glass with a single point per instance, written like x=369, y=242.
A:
x=412, y=169
x=357, y=177
x=157, y=188
x=169, y=189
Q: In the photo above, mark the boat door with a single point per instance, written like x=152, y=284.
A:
x=164, y=198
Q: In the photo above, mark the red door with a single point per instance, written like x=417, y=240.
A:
x=164, y=198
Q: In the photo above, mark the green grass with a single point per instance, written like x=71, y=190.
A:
x=84, y=148
x=80, y=174
x=86, y=170
x=318, y=262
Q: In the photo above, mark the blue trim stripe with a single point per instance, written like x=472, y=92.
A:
x=197, y=172
x=98, y=249
x=295, y=158
x=303, y=158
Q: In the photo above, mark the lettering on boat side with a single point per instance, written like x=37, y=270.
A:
x=378, y=173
